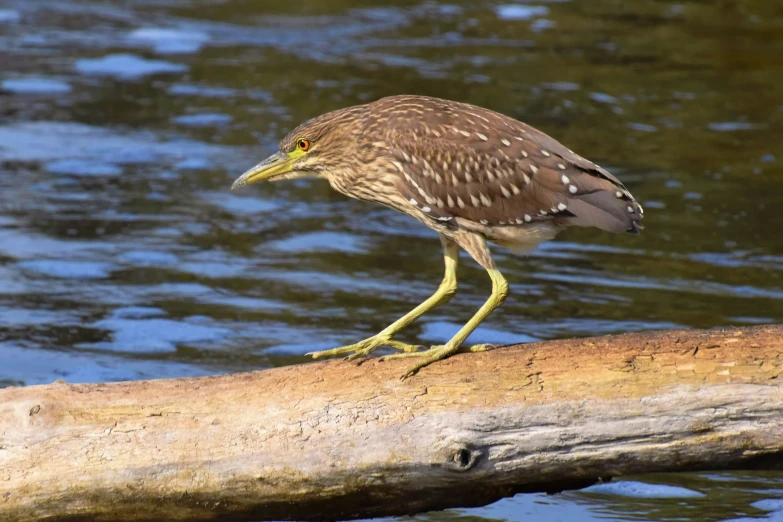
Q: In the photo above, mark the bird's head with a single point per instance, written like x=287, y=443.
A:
x=313, y=149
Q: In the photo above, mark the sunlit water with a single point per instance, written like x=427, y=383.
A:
x=123, y=255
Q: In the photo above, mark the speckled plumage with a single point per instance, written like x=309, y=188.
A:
x=462, y=169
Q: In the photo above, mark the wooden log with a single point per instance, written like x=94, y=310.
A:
x=335, y=440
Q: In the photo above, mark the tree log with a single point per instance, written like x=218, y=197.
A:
x=336, y=440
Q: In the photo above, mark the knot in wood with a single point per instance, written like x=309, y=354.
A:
x=462, y=459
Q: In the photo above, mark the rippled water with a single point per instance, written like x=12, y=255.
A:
x=123, y=255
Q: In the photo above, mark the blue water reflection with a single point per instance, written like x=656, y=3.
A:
x=123, y=255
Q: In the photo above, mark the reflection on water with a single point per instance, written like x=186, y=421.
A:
x=124, y=256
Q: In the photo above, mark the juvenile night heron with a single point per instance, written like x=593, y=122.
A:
x=471, y=174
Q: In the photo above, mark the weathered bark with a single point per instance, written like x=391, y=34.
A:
x=333, y=440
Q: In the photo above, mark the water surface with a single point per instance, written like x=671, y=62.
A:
x=123, y=255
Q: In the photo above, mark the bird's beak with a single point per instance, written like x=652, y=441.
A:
x=274, y=165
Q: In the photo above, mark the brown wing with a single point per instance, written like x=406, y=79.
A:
x=468, y=162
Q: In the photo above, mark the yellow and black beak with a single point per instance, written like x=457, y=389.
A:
x=274, y=165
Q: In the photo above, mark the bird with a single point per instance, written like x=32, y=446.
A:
x=473, y=175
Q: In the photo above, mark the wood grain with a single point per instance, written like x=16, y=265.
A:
x=335, y=440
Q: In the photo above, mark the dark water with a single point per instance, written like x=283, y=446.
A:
x=124, y=256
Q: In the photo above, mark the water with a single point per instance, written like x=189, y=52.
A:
x=124, y=256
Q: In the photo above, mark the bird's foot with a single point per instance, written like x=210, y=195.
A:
x=434, y=354
x=417, y=351
x=477, y=348
x=366, y=347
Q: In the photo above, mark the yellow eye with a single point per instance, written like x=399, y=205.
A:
x=303, y=144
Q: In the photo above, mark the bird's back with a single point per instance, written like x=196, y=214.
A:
x=463, y=164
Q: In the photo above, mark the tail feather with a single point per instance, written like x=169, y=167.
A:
x=604, y=210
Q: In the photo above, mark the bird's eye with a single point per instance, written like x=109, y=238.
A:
x=303, y=144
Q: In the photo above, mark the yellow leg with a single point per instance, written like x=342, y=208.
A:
x=436, y=353
x=445, y=291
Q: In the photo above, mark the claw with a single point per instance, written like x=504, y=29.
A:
x=357, y=354
x=409, y=373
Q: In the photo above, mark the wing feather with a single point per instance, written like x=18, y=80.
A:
x=468, y=162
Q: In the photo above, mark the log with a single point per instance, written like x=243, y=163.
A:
x=335, y=440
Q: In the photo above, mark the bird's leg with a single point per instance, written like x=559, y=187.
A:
x=436, y=353
x=444, y=292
